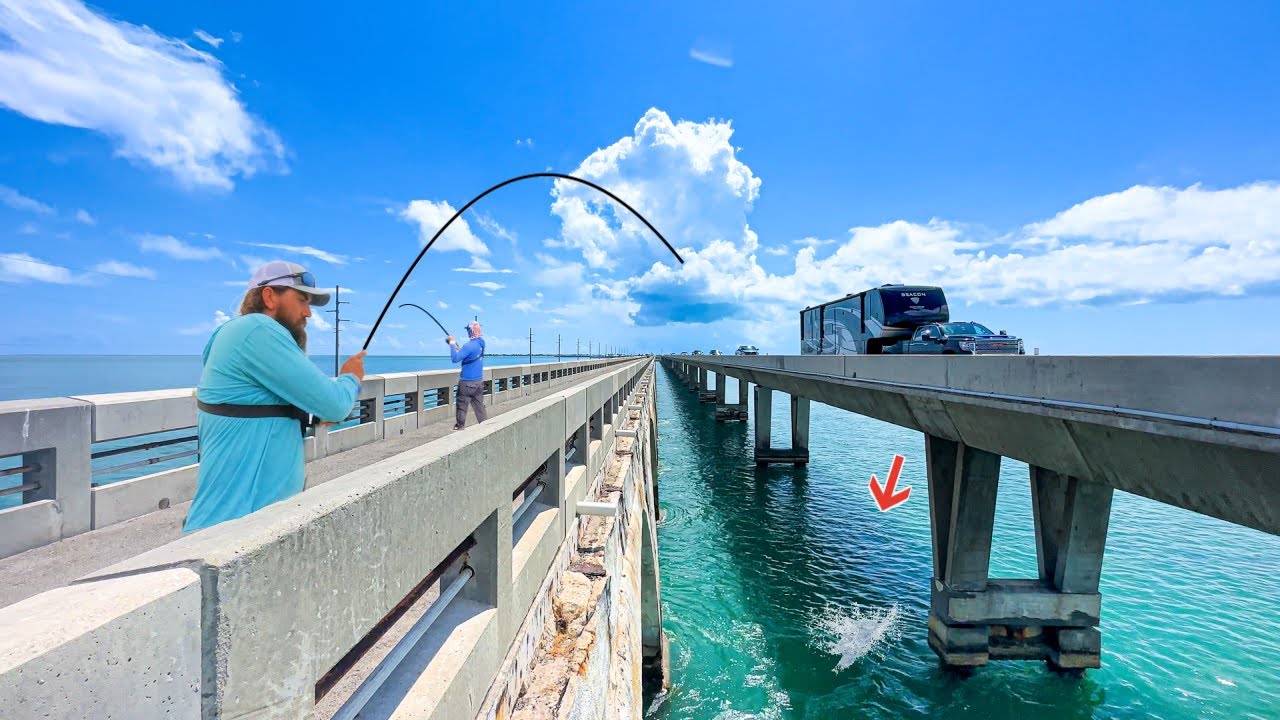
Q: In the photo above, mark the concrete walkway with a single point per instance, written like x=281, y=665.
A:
x=45, y=568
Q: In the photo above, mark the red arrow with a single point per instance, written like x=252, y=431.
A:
x=885, y=497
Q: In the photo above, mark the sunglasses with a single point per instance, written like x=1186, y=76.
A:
x=305, y=278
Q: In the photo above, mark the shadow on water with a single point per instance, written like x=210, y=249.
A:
x=799, y=543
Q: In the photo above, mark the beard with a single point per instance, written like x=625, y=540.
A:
x=298, y=330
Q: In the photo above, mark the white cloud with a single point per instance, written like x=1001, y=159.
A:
x=124, y=269
x=236, y=37
x=527, y=142
x=488, y=285
x=158, y=99
x=1141, y=245
x=13, y=198
x=304, y=250
x=175, y=248
x=711, y=58
x=219, y=317
x=527, y=305
x=430, y=216
x=480, y=265
x=477, y=308
x=442, y=304
x=492, y=227
x=211, y=40
x=28, y=229
x=22, y=268
x=83, y=216
x=684, y=177
x=319, y=323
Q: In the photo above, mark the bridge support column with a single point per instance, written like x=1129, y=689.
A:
x=797, y=454
x=725, y=411
x=975, y=618
x=705, y=393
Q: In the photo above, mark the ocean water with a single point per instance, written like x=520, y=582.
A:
x=788, y=594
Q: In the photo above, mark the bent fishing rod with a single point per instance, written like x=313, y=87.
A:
x=473, y=201
x=433, y=317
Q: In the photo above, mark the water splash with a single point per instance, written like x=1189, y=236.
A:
x=855, y=632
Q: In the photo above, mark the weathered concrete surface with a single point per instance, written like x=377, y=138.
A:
x=120, y=501
x=55, y=434
x=589, y=661
x=121, y=648
x=57, y=564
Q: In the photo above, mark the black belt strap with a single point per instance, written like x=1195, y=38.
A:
x=257, y=411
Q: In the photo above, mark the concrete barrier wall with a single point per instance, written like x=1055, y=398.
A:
x=286, y=592
x=1222, y=387
x=63, y=430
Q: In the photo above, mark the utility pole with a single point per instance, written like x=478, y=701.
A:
x=530, y=346
x=557, y=347
x=577, y=352
x=337, y=324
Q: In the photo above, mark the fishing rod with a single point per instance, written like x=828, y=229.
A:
x=473, y=201
x=433, y=317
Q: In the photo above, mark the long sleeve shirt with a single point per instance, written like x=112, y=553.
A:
x=471, y=355
x=249, y=463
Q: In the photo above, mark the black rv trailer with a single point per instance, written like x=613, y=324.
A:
x=866, y=323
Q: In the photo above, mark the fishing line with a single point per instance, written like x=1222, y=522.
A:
x=504, y=183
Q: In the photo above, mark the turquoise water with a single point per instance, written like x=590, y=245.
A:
x=763, y=571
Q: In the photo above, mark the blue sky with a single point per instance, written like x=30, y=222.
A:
x=1094, y=179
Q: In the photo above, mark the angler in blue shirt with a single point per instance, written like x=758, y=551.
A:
x=471, y=381
x=256, y=391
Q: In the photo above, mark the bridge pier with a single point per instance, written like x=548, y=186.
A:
x=726, y=412
x=705, y=393
x=974, y=618
x=765, y=454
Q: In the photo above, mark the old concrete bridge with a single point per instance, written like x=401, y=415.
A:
x=1201, y=433
x=505, y=571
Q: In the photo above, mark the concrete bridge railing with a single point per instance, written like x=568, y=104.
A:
x=57, y=452
x=253, y=617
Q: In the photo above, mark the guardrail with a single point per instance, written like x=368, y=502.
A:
x=85, y=462
x=254, y=617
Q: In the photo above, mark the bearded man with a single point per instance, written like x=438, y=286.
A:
x=257, y=392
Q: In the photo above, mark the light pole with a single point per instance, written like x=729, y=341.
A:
x=337, y=324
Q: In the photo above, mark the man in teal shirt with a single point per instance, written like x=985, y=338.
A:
x=256, y=385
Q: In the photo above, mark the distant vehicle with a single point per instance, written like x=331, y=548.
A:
x=866, y=323
x=714, y=352
x=958, y=338
x=746, y=350
x=684, y=352
x=697, y=352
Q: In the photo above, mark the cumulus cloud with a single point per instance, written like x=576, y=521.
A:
x=83, y=217
x=477, y=308
x=177, y=249
x=1140, y=245
x=488, y=285
x=17, y=200
x=431, y=215
x=318, y=322
x=480, y=265
x=204, y=328
x=159, y=100
x=442, y=305
x=684, y=177
x=328, y=257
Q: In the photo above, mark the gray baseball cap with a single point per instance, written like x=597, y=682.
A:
x=279, y=273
